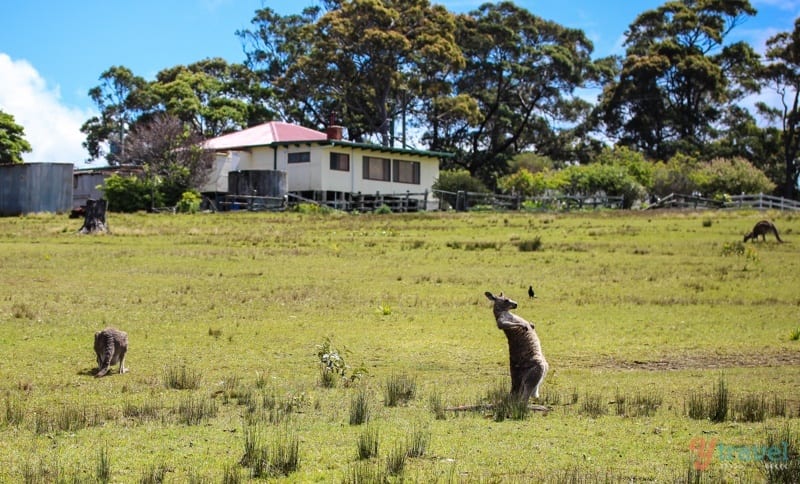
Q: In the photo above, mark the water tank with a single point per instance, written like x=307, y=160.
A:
x=259, y=183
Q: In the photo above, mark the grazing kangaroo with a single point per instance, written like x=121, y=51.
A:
x=110, y=345
x=762, y=228
x=528, y=366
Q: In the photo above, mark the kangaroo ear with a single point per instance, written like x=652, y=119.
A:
x=501, y=294
x=489, y=295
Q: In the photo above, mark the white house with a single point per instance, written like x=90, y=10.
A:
x=322, y=166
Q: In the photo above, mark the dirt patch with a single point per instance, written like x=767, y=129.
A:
x=705, y=361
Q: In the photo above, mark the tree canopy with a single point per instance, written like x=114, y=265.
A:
x=12, y=140
x=487, y=85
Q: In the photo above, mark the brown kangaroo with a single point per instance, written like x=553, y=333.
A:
x=762, y=228
x=528, y=366
x=110, y=346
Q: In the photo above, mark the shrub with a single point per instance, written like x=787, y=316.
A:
x=333, y=367
x=453, y=181
x=189, y=202
x=383, y=209
x=731, y=175
x=130, y=194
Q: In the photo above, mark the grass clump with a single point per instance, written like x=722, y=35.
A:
x=181, y=378
x=417, y=443
x=193, y=410
x=786, y=467
x=639, y=405
x=363, y=472
x=396, y=461
x=712, y=406
x=530, y=245
x=794, y=335
x=436, y=404
x=368, y=443
x=154, y=474
x=399, y=389
x=593, y=406
x=103, y=466
x=359, y=407
x=504, y=405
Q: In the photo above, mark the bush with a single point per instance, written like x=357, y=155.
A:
x=189, y=202
x=457, y=180
x=735, y=175
x=129, y=194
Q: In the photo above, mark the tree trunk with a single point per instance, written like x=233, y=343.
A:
x=95, y=218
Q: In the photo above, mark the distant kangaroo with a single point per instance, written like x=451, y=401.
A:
x=528, y=366
x=762, y=228
x=110, y=345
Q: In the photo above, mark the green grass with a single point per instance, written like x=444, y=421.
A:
x=637, y=313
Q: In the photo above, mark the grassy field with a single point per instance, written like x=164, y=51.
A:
x=648, y=320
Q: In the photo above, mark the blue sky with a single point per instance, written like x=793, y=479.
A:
x=53, y=51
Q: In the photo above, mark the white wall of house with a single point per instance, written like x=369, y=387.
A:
x=317, y=175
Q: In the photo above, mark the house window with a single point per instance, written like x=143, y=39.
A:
x=340, y=161
x=377, y=168
x=406, y=171
x=300, y=157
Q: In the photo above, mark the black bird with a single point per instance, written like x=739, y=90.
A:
x=531, y=295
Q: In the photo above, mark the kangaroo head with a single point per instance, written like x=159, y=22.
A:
x=501, y=303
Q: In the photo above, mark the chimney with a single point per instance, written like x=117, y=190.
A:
x=334, y=132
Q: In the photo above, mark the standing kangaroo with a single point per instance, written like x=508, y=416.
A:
x=528, y=366
x=762, y=228
x=110, y=345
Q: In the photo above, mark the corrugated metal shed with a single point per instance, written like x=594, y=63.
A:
x=35, y=187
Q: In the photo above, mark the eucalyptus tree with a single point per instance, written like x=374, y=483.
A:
x=12, y=140
x=121, y=98
x=358, y=62
x=522, y=72
x=679, y=76
x=782, y=74
x=212, y=96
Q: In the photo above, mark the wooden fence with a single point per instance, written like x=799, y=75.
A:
x=758, y=201
x=464, y=201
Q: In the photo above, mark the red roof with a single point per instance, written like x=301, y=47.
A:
x=264, y=134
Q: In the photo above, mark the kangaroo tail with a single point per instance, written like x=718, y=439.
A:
x=775, y=230
x=108, y=353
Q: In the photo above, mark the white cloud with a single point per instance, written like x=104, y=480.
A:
x=51, y=128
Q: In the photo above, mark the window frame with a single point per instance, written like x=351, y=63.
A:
x=307, y=157
x=416, y=172
x=386, y=175
x=339, y=158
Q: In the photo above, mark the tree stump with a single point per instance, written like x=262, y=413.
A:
x=94, y=220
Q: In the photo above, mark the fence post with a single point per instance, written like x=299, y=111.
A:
x=408, y=195
x=461, y=201
x=425, y=201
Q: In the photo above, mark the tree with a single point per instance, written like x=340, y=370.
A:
x=212, y=96
x=172, y=155
x=782, y=73
x=522, y=72
x=122, y=98
x=361, y=62
x=12, y=140
x=678, y=76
